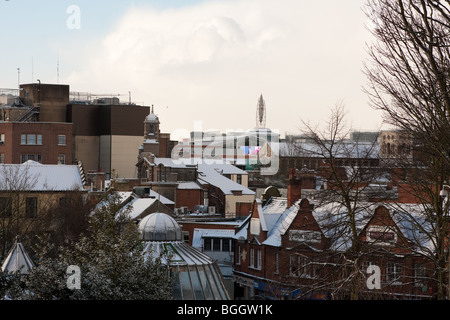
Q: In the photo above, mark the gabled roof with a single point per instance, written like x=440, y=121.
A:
x=276, y=218
x=17, y=260
x=33, y=176
x=281, y=226
x=214, y=176
x=132, y=205
x=407, y=218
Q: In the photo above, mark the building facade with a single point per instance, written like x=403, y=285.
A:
x=43, y=142
x=301, y=252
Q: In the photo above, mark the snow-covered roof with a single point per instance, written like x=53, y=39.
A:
x=199, y=234
x=211, y=173
x=280, y=218
x=213, y=176
x=345, y=149
x=17, y=260
x=124, y=195
x=190, y=185
x=33, y=176
x=276, y=218
x=409, y=218
x=133, y=206
x=220, y=165
x=137, y=206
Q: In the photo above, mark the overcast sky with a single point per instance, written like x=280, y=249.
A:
x=198, y=61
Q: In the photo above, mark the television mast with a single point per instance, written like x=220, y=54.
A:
x=261, y=113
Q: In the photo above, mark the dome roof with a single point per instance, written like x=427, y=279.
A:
x=152, y=118
x=159, y=226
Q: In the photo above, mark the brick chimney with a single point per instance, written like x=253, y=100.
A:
x=298, y=181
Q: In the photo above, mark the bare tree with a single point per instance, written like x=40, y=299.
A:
x=29, y=207
x=409, y=74
x=13, y=206
x=347, y=170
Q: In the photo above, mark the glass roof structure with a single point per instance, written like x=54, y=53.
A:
x=196, y=275
x=17, y=260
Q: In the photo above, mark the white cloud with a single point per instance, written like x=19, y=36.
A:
x=210, y=62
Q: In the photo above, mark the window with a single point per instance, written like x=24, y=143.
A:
x=2, y=158
x=31, y=207
x=258, y=260
x=31, y=139
x=226, y=245
x=252, y=257
x=306, y=267
x=61, y=140
x=216, y=244
x=207, y=244
x=394, y=273
x=293, y=265
x=185, y=236
x=61, y=159
x=277, y=264
x=302, y=266
x=2, y=139
x=34, y=157
x=419, y=275
x=5, y=207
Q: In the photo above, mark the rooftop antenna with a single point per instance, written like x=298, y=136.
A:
x=18, y=78
x=57, y=67
x=261, y=113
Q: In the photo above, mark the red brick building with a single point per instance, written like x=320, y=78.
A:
x=300, y=252
x=46, y=143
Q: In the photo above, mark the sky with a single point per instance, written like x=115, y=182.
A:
x=203, y=64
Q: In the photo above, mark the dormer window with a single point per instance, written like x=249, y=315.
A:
x=255, y=226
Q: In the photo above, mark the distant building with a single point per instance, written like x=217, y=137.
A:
x=395, y=144
x=219, y=187
x=101, y=132
x=50, y=100
x=107, y=137
x=155, y=142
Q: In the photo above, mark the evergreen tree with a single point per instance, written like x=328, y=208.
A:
x=111, y=261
